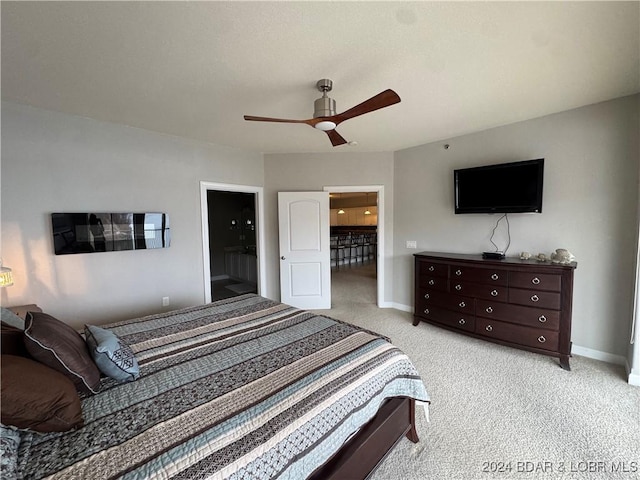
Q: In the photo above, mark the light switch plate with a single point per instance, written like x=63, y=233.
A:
x=412, y=244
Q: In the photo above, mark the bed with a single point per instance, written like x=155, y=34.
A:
x=240, y=388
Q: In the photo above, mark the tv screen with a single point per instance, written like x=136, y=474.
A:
x=514, y=187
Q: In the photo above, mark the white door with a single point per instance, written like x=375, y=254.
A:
x=305, y=268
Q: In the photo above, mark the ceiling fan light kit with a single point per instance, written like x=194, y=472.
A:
x=325, y=117
x=325, y=125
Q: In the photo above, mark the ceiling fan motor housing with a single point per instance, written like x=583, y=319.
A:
x=324, y=107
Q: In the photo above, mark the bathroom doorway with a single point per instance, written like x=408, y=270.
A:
x=232, y=243
x=232, y=220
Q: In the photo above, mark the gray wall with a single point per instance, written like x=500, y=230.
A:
x=60, y=163
x=55, y=162
x=312, y=172
x=589, y=207
x=634, y=348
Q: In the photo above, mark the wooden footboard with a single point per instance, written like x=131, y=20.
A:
x=359, y=457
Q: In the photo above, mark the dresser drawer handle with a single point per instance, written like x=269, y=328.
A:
x=535, y=280
x=461, y=321
x=541, y=339
x=432, y=282
x=426, y=311
x=426, y=296
x=488, y=328
x=494, y=293
x=534, y=298
x=494, y=276
x=458, y=287
x=431, y=268
x=462, y=304
x=542, y=319
x=458, y=272
x=489, y=310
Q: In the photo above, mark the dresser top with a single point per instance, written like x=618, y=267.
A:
x=508, y=261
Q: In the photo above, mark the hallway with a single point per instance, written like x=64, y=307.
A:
x=353, y=284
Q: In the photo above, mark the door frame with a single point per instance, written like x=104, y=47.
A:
x=260, y=244
x=379, y=189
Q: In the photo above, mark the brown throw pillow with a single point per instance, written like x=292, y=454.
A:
x=60, y=347
x=12, y=341
x=37, y=397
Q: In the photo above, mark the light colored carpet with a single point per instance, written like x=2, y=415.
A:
x=495, y=407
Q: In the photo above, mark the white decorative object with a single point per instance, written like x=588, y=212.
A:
x=541, y=257
x=525, y=256
x=563, y=256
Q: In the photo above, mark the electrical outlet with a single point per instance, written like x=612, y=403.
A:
x=412, y=244
x=165, y=301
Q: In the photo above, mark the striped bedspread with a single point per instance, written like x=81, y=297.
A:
x=243, y=388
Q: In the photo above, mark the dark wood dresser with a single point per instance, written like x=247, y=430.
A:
x=520, y=303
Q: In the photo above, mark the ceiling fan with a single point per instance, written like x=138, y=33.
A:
x=325, y=117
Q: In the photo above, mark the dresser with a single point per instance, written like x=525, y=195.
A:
x=520, y=303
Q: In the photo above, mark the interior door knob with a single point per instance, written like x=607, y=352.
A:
x=282, y=258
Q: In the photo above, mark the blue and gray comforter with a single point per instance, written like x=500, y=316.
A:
x=240, y=388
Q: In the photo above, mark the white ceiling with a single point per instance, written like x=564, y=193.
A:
x=193, y=69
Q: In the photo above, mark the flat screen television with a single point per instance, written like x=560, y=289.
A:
x=514, y=187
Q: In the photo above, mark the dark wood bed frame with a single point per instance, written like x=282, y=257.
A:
x=360, y=456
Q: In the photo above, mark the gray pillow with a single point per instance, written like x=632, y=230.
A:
x=113, y=357
x=11, y=318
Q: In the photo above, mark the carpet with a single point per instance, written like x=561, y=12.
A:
x=498, y=412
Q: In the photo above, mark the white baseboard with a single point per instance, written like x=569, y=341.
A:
x=634, y=378
x=397, y=306
x=598, y=355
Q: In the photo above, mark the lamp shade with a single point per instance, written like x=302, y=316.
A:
x=6, y=276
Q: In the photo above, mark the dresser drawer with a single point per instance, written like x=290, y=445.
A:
x=532, y=298
x=531, y=316
x=432, y=269
x=448, y=317
x=535, y=281
x=479, y=290
x=479, y=275
x=457, y=303
x=434, y=283
x=528, y=336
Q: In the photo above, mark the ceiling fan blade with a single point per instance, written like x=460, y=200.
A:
x=268, y=119
x=382, y=100
x=336, y=138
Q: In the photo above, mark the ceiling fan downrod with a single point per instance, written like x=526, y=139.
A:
x=324, y=106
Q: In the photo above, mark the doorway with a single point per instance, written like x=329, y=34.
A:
x=357, y=238
x=233, y=256
x=232, y=219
